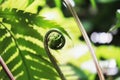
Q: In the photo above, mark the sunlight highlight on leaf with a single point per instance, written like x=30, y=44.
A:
x=17, y=66
x=31, y=39
x=12, y=57
x=27, y=49
x=19, y=74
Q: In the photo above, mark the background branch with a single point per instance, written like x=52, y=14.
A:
x=69, y=6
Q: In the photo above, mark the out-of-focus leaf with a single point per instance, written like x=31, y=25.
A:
x=78, y=72
x=93, y=3
x=118, y=18
x=58, y=3
x=117, y=25
x=1, y=1
x=107, y=1
x=30, y=2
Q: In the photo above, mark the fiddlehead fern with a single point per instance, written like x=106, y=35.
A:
x=54, y=39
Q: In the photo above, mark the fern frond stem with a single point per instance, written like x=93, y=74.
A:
x=4, y=66
x=51, y=57
x=16, y=44
x=84, y=33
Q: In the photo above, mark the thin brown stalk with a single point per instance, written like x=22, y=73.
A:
x=6, y=69
x=68, y=4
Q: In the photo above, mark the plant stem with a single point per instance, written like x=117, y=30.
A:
x=86, y=38
x=16, y=44
x=6, y=69
x=52, y=59
x=4, y=66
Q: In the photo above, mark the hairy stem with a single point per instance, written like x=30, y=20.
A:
x=52, y=59
x=67, y=2
x=6, y=69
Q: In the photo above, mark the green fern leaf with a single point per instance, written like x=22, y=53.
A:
x=25, y=58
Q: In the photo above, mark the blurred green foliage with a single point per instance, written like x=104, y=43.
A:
x=96, y=15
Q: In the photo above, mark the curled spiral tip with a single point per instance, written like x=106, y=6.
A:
x=55, y=39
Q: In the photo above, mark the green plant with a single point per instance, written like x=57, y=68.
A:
x=22, y=32
x=55, y=40
x=21, y=45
